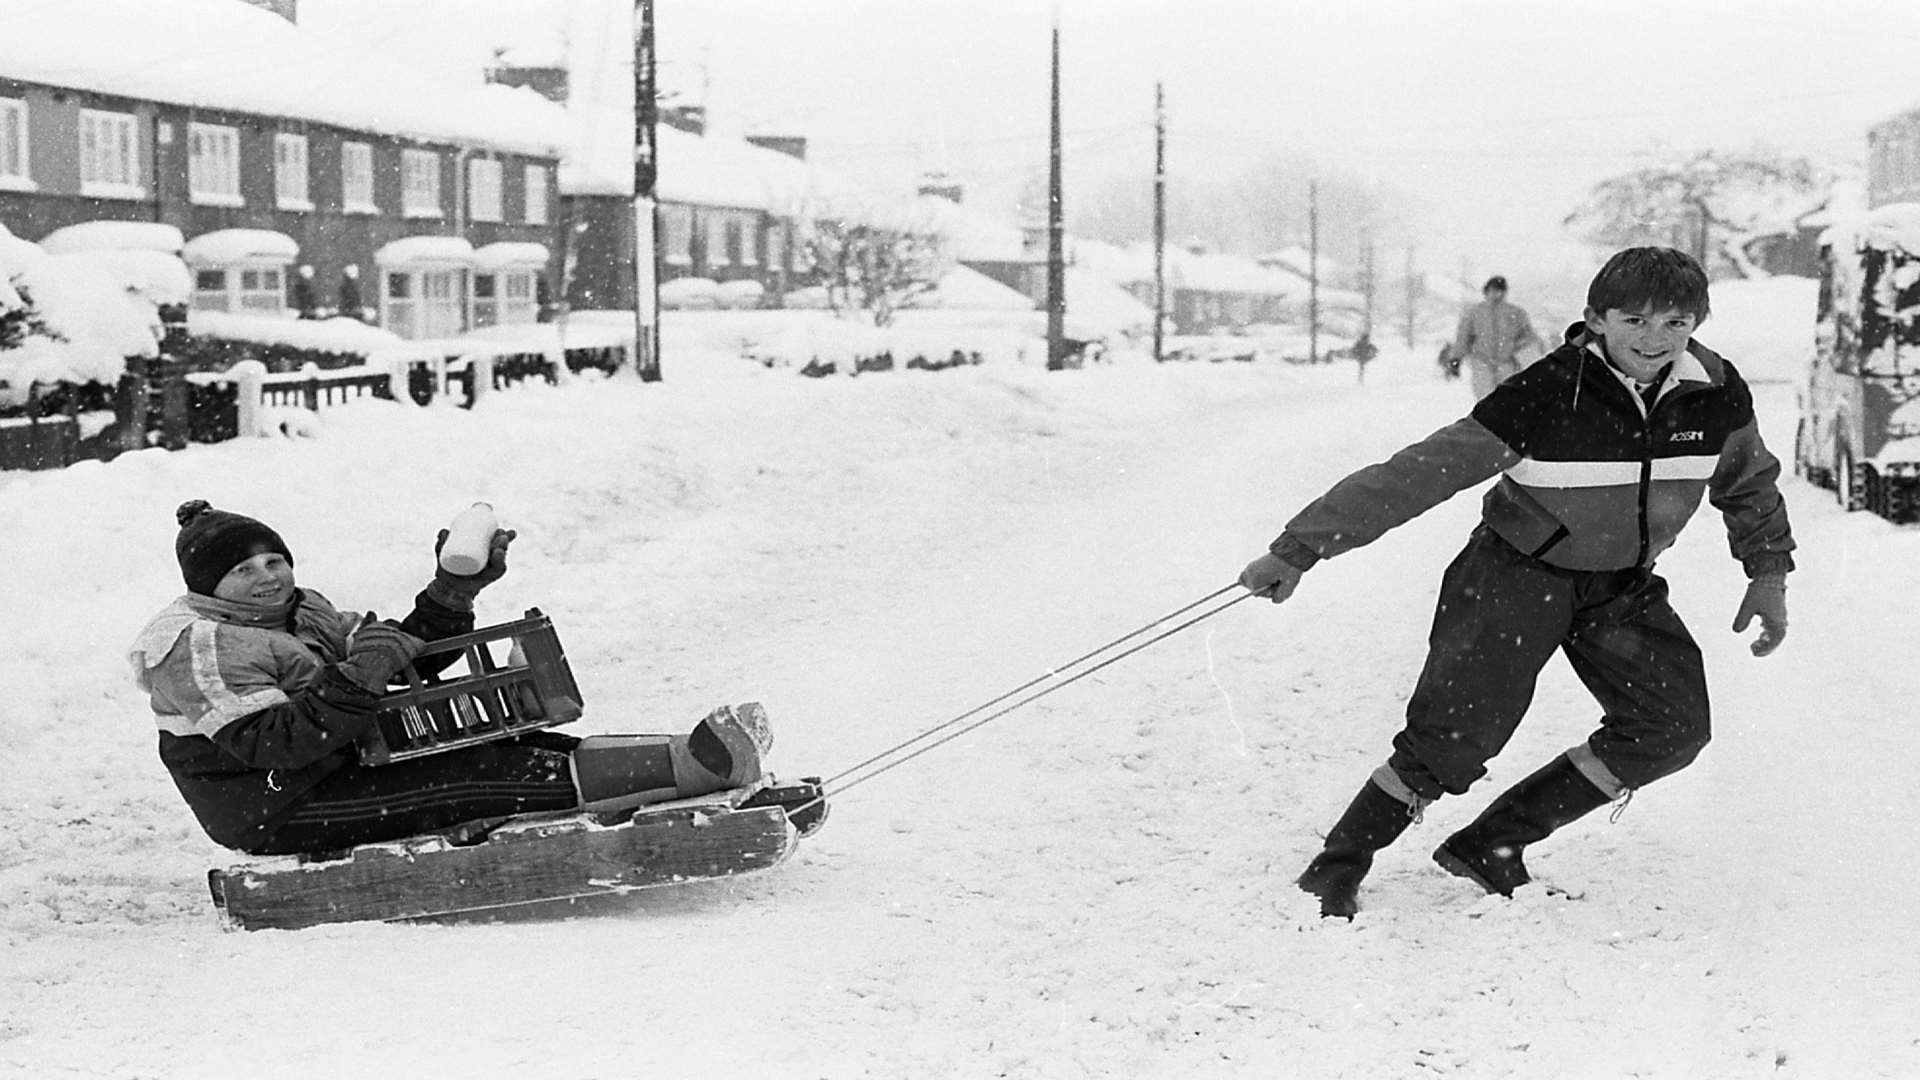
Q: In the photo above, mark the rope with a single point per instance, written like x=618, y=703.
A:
x=838, y=788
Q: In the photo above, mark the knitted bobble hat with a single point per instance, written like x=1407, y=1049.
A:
x=212, y=542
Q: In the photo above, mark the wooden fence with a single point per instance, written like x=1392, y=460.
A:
x=159, y=403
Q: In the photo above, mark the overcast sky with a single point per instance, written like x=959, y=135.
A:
x=1498, y=115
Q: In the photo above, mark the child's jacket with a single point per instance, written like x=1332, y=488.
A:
x=252, y=713
x=1593, y=481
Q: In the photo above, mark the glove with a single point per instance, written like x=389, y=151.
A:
x=1272, y=577
x=1767, y=598
x=457, y=591
x=377, y=649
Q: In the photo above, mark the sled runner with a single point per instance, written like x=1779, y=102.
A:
x=511, y=679
x=519, y=861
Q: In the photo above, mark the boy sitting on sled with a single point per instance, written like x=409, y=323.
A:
x=261, y=688
x=1607, y=445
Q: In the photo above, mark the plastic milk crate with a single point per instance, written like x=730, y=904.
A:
x=509, y=679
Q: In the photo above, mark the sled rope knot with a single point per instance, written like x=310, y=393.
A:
x=901, y=753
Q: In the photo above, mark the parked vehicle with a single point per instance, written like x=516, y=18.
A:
x=1859, y=429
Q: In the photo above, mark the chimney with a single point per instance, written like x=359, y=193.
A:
x=941, y=185
x=548, y=81
x=794, y=146
x=286, y=9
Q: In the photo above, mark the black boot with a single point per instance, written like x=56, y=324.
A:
x=1373, y=820
x=1487, y=852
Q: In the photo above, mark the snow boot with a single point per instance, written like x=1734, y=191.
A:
x=1373, y=820
x=1487, y=852
x=722, y=751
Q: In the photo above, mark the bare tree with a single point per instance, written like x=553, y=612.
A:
x=871, y=263
x=1709, y=202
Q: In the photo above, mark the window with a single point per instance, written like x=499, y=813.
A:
x=356, y=178
x=777, y=246
x=676, y=234
x=505, y=296
x=536, y=185
x=716, y=228
x=419, y=183
x=13, y=144
x=421, y=303
x=213, y=165
x=483, y=190
x=242, y=288
x=290, y=172
x=109, y=155
x=749, y=242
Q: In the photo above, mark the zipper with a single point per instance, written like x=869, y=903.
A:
x=1646, y=476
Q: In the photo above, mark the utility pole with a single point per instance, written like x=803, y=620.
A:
x=1313, y=271
x=1056, y=226
x=1159, y=219
x=646, y=211
x=1366, y=279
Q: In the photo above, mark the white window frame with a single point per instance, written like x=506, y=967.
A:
x=110, y=155
x=420, y=183
x=485, y=190
x=16, y=171
x=291, y=183
x=356, y=179
x=265, y=293
x=716, y=239
x=534, y=180
x=515, y=299
x=436, y=303
x=749, y=240
x=676, y=234
x=213, y=165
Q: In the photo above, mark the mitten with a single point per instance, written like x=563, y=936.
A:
x=1767, y=598
x=457, y=591
x=1272, y=577
x=375, y=651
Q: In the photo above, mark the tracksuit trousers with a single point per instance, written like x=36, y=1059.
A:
x=1500, y=617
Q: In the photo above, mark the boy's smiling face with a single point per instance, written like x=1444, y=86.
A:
x=1642, y=342
x=264, y=579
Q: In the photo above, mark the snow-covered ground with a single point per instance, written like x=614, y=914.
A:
x=1096, y=885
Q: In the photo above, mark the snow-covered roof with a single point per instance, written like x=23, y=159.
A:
x=113, y=236
x=225, y=54
x=1894, y=226
x=972, y=235
x=226, y=247
x=510, y=254
x=964, y=289
x=434, y=250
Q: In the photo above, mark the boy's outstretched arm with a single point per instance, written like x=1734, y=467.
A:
x=1368, y=502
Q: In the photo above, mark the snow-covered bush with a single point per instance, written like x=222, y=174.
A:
x=77, y=317
x=742, y=295
x=690, y=294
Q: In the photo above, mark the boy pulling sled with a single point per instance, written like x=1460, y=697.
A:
x=1607, y=445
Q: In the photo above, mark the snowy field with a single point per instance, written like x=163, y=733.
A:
x=1096, y=885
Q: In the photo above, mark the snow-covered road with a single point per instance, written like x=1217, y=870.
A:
x=1094, y=885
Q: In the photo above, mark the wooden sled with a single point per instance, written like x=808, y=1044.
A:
x=508, y=680
x=524, y=860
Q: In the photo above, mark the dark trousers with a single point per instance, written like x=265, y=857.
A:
x=363, y=804
x=1500, y=617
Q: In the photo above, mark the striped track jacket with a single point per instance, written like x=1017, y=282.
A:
x=1592, y=479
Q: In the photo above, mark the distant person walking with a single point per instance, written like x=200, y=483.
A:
x=1491, y=337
